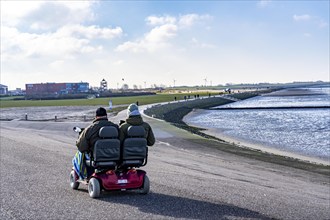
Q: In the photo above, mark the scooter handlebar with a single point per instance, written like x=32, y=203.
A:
x=77, y=129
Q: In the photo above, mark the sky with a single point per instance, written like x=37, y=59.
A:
x=164, y=43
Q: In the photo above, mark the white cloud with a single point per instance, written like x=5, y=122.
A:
x=322, y=24
x=13, y=11
x=134, y=47
x=90, y=32
x=19, y=45
x=264, y=3
x=313, y=19
x=182, y=21
x=45, y=14
x=57, y=64
x=118, y=62
x=304, y=17
x=166, y=28
x=190, y=19
x=150, y=45
x=157, y=38
x=77, y=5
x=154, y=20
x=56, y=29
x=162, y=33
x=198, y=44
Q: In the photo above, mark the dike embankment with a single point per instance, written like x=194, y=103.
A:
x=174, y=112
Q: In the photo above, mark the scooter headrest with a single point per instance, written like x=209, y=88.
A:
x=108, y=132
x=135, y=131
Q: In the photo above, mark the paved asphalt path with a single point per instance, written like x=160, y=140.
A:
x=189, y=180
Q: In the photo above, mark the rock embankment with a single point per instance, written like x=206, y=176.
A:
x=174, y=112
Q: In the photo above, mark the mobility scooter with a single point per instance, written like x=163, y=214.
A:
x=114, y=165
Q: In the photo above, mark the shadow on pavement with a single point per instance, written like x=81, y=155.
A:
x=179, y=207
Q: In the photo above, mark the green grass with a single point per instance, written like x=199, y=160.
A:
x=143, y=100
x=10, y=97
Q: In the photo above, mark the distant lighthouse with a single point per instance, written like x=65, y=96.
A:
x=103, y=85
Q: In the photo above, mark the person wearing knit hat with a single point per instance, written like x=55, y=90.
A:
x=133, y=110
x=134, y=119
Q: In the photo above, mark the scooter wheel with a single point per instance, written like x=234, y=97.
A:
x=94, y=188
x=146, y=185
x=73, y=177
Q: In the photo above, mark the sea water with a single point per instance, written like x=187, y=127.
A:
x=301, y=131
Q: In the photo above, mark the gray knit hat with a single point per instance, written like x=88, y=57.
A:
x=133, y=110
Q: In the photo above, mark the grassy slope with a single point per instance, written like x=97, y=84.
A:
x=143, y=100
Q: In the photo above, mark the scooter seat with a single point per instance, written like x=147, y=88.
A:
x=106, y=152
x=135, y=151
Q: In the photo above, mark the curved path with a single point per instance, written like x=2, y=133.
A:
x=190, y=179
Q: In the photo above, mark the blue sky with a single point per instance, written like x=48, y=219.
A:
x=159, y=42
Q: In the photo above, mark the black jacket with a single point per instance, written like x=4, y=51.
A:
x=90, y=135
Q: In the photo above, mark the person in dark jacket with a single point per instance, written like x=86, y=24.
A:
x=90, y=135
x=134, y=118
x=86, y=141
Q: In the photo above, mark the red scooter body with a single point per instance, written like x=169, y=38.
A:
x=115, y=180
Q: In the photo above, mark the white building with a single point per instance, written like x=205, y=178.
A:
x=3, y=89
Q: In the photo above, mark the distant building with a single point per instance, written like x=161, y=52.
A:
x=17, y=91
x=3, y=89
x=56, y=88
